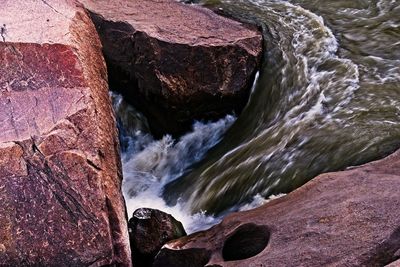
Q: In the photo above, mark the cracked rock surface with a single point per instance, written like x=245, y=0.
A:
x=60, y=172
x=176, y=62
x=348, y=218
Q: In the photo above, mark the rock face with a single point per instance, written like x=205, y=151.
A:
x=349, y=218
x=394, y=264
x=60, y=172
x=176, y=62
x=149, y=230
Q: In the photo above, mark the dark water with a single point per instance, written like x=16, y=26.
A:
x=327, y=97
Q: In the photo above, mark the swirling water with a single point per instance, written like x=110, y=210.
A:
x=327, y=97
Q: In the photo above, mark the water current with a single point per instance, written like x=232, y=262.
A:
x=326, y=97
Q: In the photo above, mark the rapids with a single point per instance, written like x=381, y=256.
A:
x=327, y=97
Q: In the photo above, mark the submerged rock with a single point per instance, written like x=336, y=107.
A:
x=176, y=62
x=348, y=218
x=149, y=230
x=60, y=172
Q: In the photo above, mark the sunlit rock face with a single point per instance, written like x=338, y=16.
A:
x=177, y=62
x=59, y=162
x=347, y=218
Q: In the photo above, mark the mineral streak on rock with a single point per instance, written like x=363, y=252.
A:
x=60, y=173
x=176, y=62
x=348, y=218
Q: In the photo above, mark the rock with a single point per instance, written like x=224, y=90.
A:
x=193, y=257
x=60, y=173
x=348, y=218
x=176, y=62
x=149, y=230
x=394, y=264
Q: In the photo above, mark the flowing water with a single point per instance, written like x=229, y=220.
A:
x=327, y=97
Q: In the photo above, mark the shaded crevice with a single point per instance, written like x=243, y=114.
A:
x=118, y=247
x=386, y=252
x=247, y=241
x=3, y=31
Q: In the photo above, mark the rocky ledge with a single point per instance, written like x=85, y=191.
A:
x=60, y=173
x=348, y=218
x=176, y=62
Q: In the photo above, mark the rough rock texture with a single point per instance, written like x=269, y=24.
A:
x=176, y=62
x=149, y=230
x=60, y=171
x=394, y=264
x=349, y=218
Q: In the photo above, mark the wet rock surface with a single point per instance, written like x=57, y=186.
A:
x=348, y=218
x=149, y=230
x=176, y=62
x=60, y=172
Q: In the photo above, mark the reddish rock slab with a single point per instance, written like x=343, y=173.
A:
x=60, y=173
x=348, y=218
x=176, y=62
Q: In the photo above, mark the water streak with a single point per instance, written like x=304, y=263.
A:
x=314, y=111
x=327, y=97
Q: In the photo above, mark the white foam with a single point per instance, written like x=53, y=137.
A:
x=161, y=161
x=258, y=201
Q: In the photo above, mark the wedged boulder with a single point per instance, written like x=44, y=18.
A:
x=149, y=230
x=348, y=218
x=176, y=62
x=60, y=172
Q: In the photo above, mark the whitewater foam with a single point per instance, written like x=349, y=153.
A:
x=158, y=162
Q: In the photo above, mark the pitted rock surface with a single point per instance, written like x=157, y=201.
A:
x=348, y=218
x=60, y=172
x=176, y=62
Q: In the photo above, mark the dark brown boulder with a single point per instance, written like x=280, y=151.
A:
x=60, y=172
x=176, y=62
x=149, y=230
x=348, y=218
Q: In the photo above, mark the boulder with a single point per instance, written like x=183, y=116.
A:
x=176, y=62
x=149, y=230
x=60, y=173
x=348, y=218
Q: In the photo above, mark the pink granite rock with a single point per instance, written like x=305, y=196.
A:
x=348, y=218
x=60, y=175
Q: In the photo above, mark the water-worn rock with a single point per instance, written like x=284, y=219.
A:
x=149, y=230
x=176, y=62
x=348, y=218
x=60, y=172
